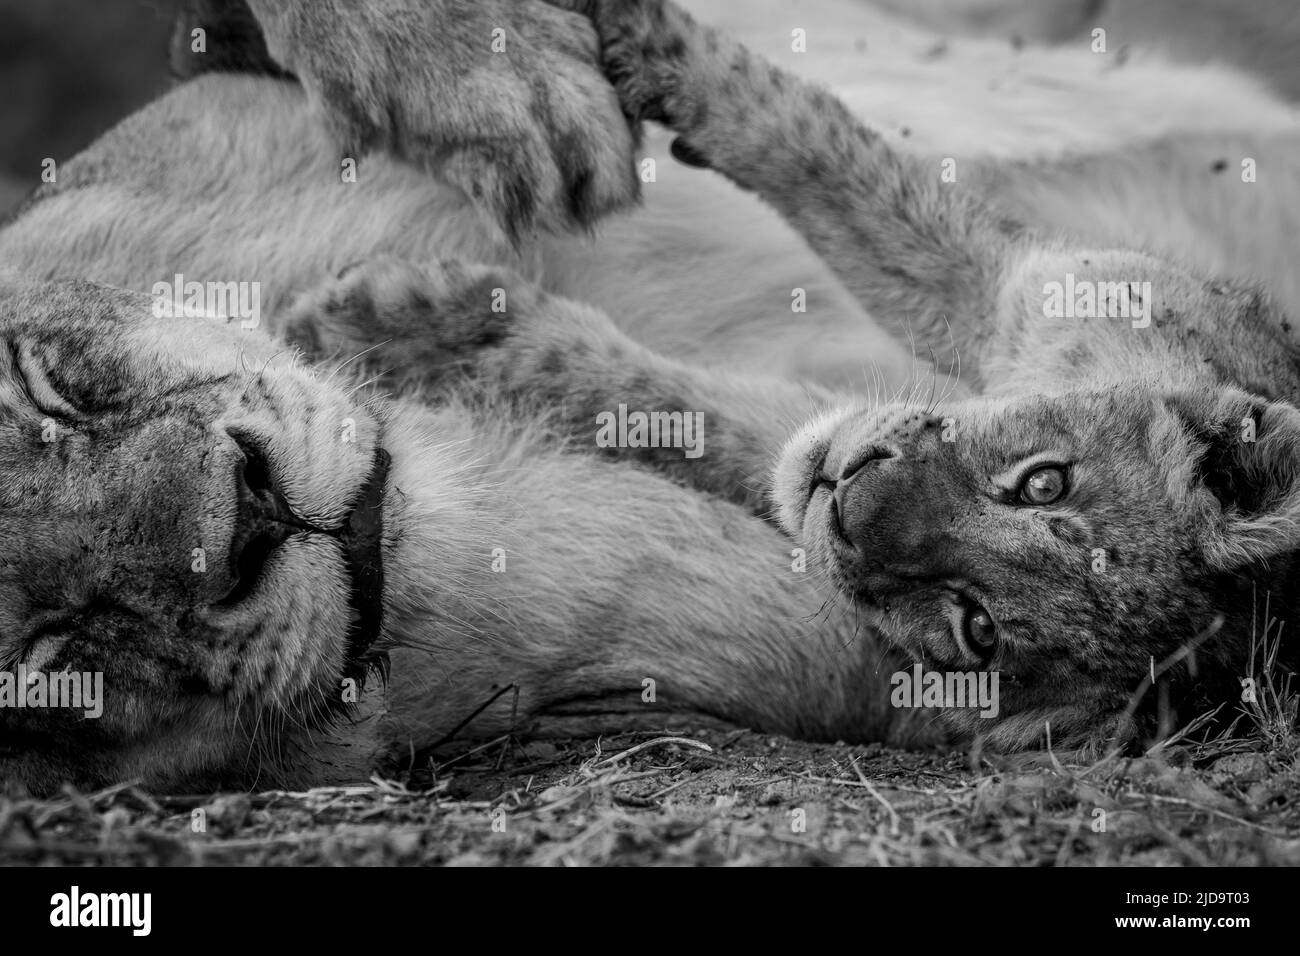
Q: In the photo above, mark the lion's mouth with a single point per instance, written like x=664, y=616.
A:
x=363, y=537
x=265, y=520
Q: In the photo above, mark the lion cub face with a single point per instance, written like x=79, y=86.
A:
x=169, y=495
x=1063, y=541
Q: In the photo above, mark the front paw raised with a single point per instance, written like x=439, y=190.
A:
x=646, y=46
x=503, y=98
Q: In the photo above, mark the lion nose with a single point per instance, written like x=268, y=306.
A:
x=867, y=456
x=840, y=486
x=263, y=522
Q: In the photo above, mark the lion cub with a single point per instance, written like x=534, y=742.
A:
x=1118, y=504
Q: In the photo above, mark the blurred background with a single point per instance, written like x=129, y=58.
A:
x=1257, y=36
x=70, y=69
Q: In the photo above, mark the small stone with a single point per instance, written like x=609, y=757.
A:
x=405, y=844
x=1241, y=768
x=227, y=813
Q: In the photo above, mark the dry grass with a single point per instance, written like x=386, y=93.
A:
x=1228, y=798
x=638, y=800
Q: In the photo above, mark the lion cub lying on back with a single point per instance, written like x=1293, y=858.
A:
x=1120, y=502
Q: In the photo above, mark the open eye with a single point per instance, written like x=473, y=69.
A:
x=979, y=630
x=1044, y=485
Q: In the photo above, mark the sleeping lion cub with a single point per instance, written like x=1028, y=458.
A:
x=236, y=540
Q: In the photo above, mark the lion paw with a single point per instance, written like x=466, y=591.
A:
x=414, y=325
x=503, y=98
x=643, y=47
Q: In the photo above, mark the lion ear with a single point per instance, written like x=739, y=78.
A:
x=1247, y=456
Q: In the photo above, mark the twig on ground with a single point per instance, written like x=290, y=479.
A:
x=657, y=742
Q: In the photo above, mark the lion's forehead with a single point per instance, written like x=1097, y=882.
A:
x=158, y=386
x=1113, y=432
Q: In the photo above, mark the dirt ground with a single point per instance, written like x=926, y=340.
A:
x=74, y=68
x=712, y=798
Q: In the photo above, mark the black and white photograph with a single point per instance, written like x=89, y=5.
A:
x=650, y=433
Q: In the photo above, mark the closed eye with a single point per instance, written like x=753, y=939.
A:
x=35, y=385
